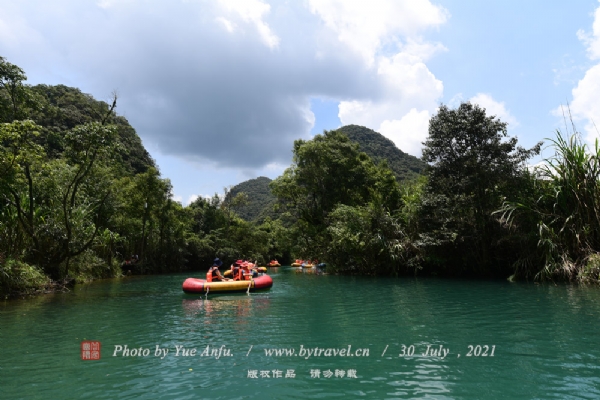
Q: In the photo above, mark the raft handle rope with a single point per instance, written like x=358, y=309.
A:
x=249, y=284
x=207, y=290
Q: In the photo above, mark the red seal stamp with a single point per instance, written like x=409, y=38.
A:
x=90, y=350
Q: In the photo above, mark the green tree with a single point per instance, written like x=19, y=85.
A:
x=16, y=99
x=378, y=147
x=232, y=204
x=367, y=240
x=20, y=158
x=327, y=171
x=277, y=240
x=78, y=190
x=146, y=217
x=474, y=165
x=79, y=194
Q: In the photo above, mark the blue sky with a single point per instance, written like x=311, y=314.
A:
x=218, y=90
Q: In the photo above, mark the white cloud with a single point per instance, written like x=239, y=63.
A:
x=409, y=133
x=455, y=101
x=227, y=24
x=592, y=40
x=386, y=34
x=252, y=11
x=407, y=80
x=423, y=51
x=16, y=32
x=364, y=26
x=106, y=3
x=586, y=103
x=274, y=167
x=176, y=198
x=409, y=95
x=191, y=199
x=228, y=84
x=495, y=108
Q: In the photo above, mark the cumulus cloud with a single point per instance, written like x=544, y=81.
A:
x=252, y=11
x=191, y=199
x=493, y=107
x=405, y=92
x=365, y=26
x=592, y=40
x=409, y=132
x=409, y=94
x=586, y=103
x=176, y=198
x=228, y=84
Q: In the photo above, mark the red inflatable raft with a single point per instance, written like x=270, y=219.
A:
x=193, y=285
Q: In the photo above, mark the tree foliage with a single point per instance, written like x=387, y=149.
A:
x=60, y=203
x=16, y=99
x=261, y=202
x=329, y=171
x=474, y=165
x=63, y=108
x=80, y=198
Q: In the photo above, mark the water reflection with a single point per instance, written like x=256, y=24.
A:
x=241, y=307
x=309, y=271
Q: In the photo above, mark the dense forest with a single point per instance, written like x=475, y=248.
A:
x=258, y=201
x=81, y=199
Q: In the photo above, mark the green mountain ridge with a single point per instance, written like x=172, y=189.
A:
x=378, y=147
x=62, y=108
x=260, y=199
x=374, y=144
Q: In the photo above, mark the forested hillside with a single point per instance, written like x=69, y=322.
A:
x=260, y=200
x=61, y=108
x=378, y=147
x=79, y=194
x=81, y=198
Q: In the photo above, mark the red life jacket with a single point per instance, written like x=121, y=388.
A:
x=211, y=274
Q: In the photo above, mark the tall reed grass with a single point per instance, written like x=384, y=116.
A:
x=566, y=207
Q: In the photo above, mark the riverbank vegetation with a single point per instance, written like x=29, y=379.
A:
x=80, y=199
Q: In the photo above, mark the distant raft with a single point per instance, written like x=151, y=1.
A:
x=260, y=270
x=201, y=286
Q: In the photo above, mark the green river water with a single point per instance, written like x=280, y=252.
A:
x=491, y=340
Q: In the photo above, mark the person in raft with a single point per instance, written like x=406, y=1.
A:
x=213, y=273
x=235, y=270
